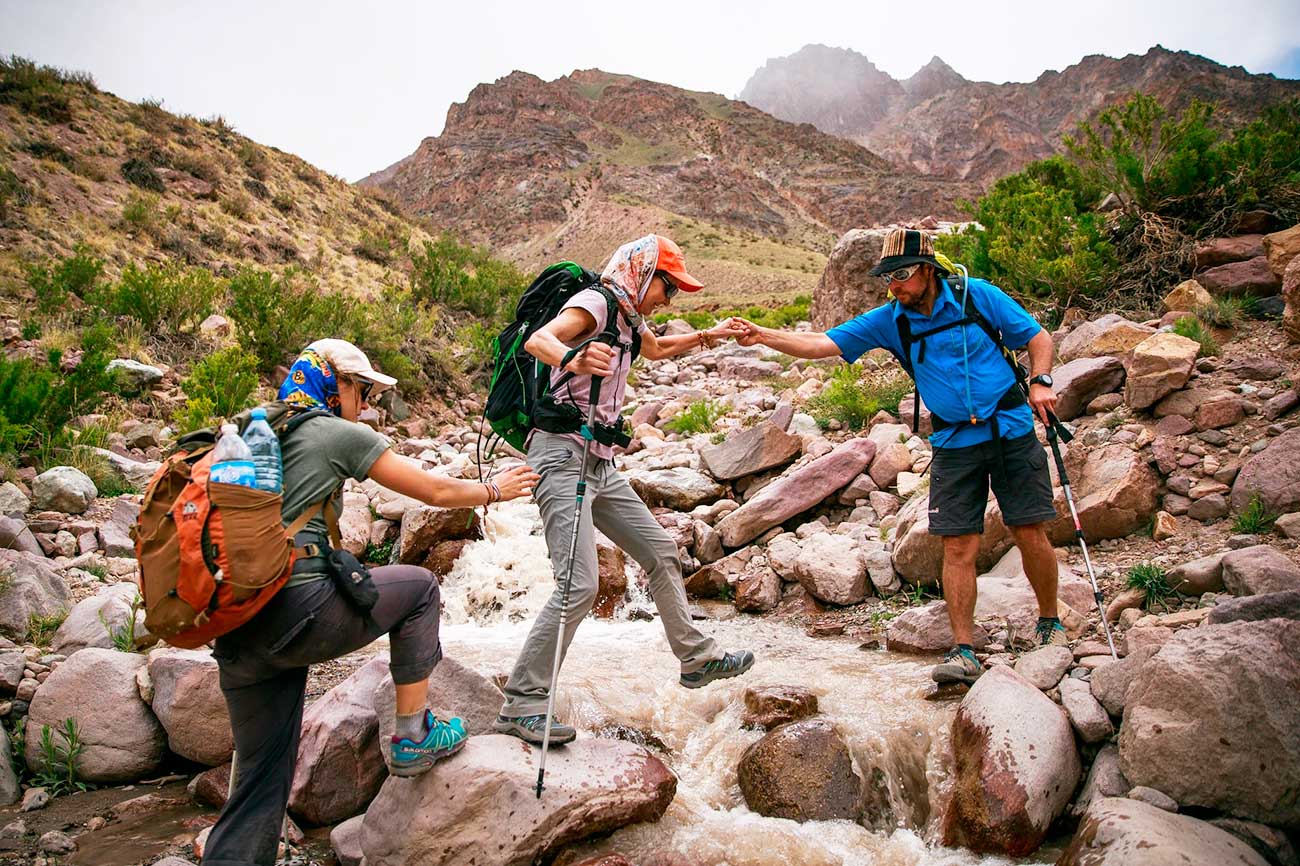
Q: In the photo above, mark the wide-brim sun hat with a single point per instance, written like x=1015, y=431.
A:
x=905, y=247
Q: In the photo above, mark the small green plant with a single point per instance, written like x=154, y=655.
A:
x=917, y=594
x=74, y=276
x=727, y=592
x=140, y=172
x=1192, y=328
x=1222, y=312
x=41, y=629
x=166, y=298
x=58, y=774
x=123, y=636
x=1150, y=578
x=881, y=616
x=380, y=554
x=219, y=386
x=854, y=395
x=1255, y=518
x=698, y=417
x=140, y=211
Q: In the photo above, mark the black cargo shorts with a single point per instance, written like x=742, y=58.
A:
x=961, y=477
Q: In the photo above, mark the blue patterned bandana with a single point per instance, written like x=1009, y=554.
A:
x=311, y=384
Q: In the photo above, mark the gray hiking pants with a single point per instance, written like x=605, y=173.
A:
x=263, y=672
x=613, y=508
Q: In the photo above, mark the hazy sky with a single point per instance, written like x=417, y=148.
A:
x=353, y=87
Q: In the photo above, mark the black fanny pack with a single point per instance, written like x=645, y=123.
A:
x=353, y=580
x=555, y=417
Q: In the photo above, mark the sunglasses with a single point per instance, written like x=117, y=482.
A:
x=901, y=275
x=365, y=387
x=670, y=288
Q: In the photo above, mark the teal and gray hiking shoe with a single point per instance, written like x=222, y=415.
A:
x=959, y=666
x=441, y=740
x=532, y=729
x=1050, y=632
x=730, y=665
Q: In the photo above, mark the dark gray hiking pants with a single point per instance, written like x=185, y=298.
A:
x=263, y=666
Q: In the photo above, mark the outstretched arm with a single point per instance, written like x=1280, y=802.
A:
x=408, y=479
x=800, y=344
x=655, y=348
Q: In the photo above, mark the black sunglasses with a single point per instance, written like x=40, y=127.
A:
x=670, y=288
x=365, y=386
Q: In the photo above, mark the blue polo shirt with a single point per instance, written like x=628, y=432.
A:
x=953, y=384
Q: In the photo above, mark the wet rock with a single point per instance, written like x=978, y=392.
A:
x=1221, y=696
x=341, y=756
x=345, y=840
x=91, y=619
x=758, y=591
x=925, y=630
x=1117, y=831
x=592, y=786
x=188, y=702
x=796, y=492
x=1162, y=363
x=611, y=586
x=1272, y=605
x=123, y=740
x=210, y=787
x=768, y=707
x=1258, y=570
x=801, y=771
x=63, y=489
x=1045, y=666
x=1015, y=766
x=13, y=502
x=1281, y=248
x=133, y=375
x=1273, y=474
x=33, y=589
x=1086, y=713
x=1083, y=380
x=454, y=690
x=845, y=288
x=830, y=568
x=712, y=580
x=680, y=489
x=756, y=449
x=1115, y=490
x=1110, y=334
x=425, y=525
x=1110, y=682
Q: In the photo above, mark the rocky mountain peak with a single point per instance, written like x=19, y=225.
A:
x=932, y=79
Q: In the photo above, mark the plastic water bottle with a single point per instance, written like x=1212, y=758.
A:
x=265, y=448
x=232, y=462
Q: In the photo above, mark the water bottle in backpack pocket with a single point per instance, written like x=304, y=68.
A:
x=264, y=447
x=232, y=461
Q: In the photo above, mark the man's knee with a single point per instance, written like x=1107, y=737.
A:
x=961, y=550
x=1032, y=534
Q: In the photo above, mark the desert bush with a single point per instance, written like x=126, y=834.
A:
x=278, y=316
x=162, y=298
x=238, y=205
x=219, y=385
x=462, y=277
x=254, y=159
x=74, y=276
x=140, y=172
x=1193, y=329
x=853, y=395
x=41, y=91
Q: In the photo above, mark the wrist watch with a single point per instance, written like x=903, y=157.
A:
x=1042, y=379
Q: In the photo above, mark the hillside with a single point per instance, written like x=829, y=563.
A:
x=940, y=124
x=572, y=167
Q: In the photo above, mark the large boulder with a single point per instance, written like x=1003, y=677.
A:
x=1259, y=569
x=425, y=525
x=1083, y=380
x=1282, y=248
x=756, y=449
x=63, y=488
x=1291, y=301
x=1273, y=475
x=680, y=488
x=846, y=289
x=891, y=459
x=1111, y=334
x=1162, y=363
x=115, y=533
x=758, y=590
x=768, y=707
x=481, y=807
x=1015, y=766
x=14, y=535
x=122, y=739
x=354, y=522
x=133, y=375
x=1221, y=251
x=1117, y=831
x=1227, y=697
x=1187, y=297
x=28, y=587
x=188, y=702
x=340, y=756
x=1111, y=681
x=454, y=691
x=1115, y=488
x=1197, y=576
x=1272, y=605
x=831, y=569
x=918, y=555
x=925, y=630
x=802, y=771
x=92, y=620
x=796, y=492
x=1251, y=277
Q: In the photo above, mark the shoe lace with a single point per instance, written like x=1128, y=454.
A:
x=1044, y=630
x=532, y=723
x=728, y=662
x=957, y=654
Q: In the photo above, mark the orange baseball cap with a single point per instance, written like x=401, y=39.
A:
x=671, y=261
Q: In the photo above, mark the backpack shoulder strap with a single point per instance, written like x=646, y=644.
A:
x=904, y=326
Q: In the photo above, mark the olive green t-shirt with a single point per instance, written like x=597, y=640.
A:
x=317, y=457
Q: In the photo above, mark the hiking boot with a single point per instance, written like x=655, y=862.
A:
x=441, y=740
x=1050, y=632
x=959, y=666
x=531, y=729
x=730, y=665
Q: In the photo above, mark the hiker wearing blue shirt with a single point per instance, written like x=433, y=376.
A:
x=949, y=334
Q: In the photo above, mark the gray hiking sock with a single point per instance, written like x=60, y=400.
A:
x=411, y=727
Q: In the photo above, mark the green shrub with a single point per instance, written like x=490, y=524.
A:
x=698, y=417
x=853, y=395
x=1255, y=518
x=375, y=246
x=140, y=172
x=278, y=316
x=1223, y=312
x=466, y=278
x=378, y=554
x=41, y=629
x=123, y=636
x=13, y=194
x=74, y=276
x=41, y=91
x=166, y=297
x=238, y=204
x=1150, y=578
x=59, y=769
x=141, y=211
x=283, y=202
x=254, y=159
x=1192, y=328
x=219, y=386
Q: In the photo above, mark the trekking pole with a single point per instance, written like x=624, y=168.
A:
x=1055, y=430
x=568, y=579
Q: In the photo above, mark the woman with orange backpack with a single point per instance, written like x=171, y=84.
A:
x=316, y=616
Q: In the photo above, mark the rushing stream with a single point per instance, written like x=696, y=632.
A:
x=621, y=675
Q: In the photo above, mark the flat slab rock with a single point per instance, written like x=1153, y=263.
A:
x=1117, y=831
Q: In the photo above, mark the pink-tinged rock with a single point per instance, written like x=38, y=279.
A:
x=1015, y=766
x=1258, y=570
x=1175, y=425
x=906, y=409
x=1012, y=600
x=611, y=586
x=1221, y=696
x=1085, y=712
x=1219, y=413
x=454, y=690
x=1162, y=363
x=890, y=460
x=188, y=702
x=768, y=707
x=830, y=568
x=801, y=771
x=646, y=413
x=1115, y=489
x=1273, y=474
x=1291, y=301
x=756, y=449
x=1282, y=248
x=1118, y=831
x=1221, y=251
x=1251, y=277
x=796, y=492
x=1280, y=404
x=480, y=806
x=1110, y=334
x=846, y=287
x=711, y=580
x=918, y=555
x=1081, y=381
x=680, y=488
x=354, y=523
x=340, y=758
x=924, y=630
x=423, y=526
x=211, y=787
x=758, y=591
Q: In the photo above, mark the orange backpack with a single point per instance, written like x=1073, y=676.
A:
x=212, y=555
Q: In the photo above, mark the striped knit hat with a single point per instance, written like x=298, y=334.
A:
x=904, y=247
